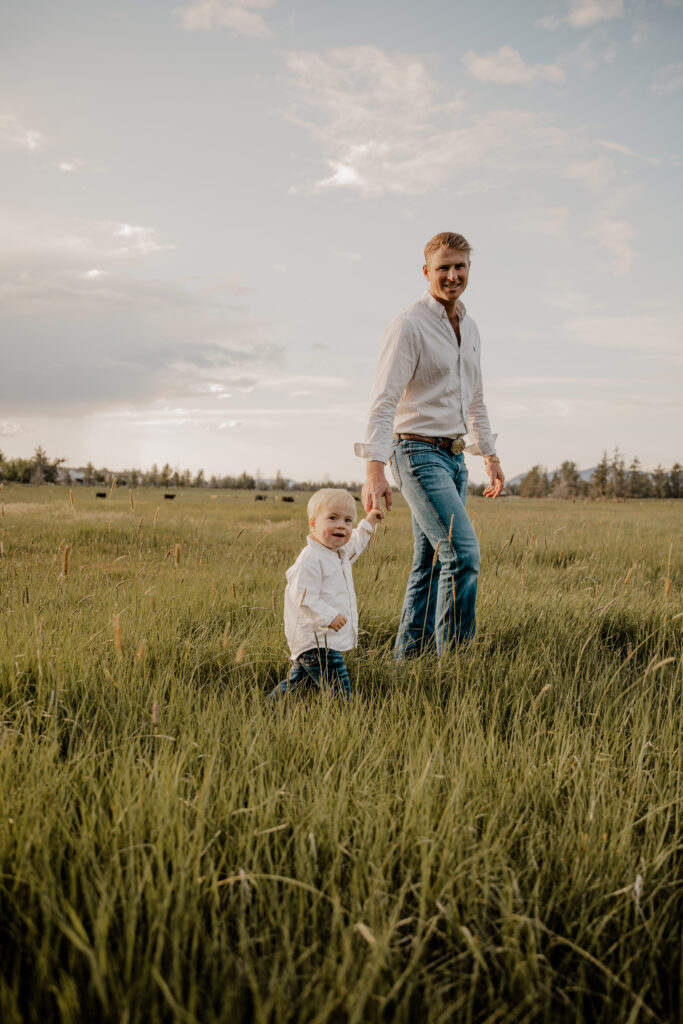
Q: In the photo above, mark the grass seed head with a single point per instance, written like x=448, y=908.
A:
x=176, y=556
x=65, y=563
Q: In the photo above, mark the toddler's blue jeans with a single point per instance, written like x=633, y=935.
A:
x=321, y=666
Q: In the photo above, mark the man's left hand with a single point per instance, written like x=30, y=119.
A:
x=497, y=479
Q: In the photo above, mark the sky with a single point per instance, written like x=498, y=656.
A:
x=211, y=210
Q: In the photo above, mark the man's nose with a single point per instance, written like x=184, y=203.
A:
x=451, y=274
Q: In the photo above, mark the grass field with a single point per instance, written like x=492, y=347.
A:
x=493, y=838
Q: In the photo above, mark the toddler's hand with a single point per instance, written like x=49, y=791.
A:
x=337, y=622
x=374, y=515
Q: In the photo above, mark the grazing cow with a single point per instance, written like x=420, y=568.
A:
x=169, y=497
x=101, y=494
x=259, y=497
x=286, y=497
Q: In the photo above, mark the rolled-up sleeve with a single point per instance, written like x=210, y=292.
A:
x=397, y=363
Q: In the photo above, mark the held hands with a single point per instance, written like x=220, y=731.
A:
x=497, y=479
x=375, y=488
x=374, y=515
x=337, y=622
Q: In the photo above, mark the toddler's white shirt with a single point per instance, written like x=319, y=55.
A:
x=319, y=587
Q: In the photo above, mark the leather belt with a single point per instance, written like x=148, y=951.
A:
x=454, y=445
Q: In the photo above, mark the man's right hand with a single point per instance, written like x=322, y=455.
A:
x=376, y=487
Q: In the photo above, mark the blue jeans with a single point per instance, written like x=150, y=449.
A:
x=439, y=606
x=321, y=666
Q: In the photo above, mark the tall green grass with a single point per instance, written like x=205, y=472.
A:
x=495, y=837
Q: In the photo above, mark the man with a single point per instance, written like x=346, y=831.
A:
x=427, y=394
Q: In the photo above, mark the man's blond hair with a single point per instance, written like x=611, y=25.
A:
x=449, y=238
x=327, y=496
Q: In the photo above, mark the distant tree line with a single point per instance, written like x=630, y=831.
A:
x=37, y=470
x=610, y=479
x=40, y=469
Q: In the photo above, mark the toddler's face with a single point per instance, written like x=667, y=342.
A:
x=332, y=526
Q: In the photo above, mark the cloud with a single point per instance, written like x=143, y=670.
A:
x=584, y=13
x=9, y=429
x=69, y=166
x=14, y=135
x=626, y=333
x=137, y=240
x=84, y=333
x=618, y=147
x=668, y=79
x=240, y=17
x=614, y=236
x=537, y=218
x=383, y=127
x=506, y=66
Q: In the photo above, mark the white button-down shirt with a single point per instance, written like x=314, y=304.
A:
x=319, y=587
x=425, y=383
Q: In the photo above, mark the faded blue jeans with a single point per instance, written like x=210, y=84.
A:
x=439, y=606
x=321, y=666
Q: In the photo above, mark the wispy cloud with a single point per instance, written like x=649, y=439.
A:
x=619, y=147
x=585, y=13
x=240, y=17
x=137, y=240
x=506, y=66
x=386, y=126
x=538, y=218
x=614, y=237
x=69, y=166
x=668, y=78
x=15, y=135
x=383, y=127
x=10, y=429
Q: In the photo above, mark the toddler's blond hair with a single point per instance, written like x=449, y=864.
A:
x=327, y=496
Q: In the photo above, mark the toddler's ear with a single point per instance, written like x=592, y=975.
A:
x=311, y=523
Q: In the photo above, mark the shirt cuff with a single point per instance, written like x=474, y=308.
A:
x=364, y=451
x=483, y=446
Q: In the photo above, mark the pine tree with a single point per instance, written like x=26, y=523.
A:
x=600, y=479
x=617, y=476
x=535, y=483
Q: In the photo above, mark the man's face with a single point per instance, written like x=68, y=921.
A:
x=447, y=271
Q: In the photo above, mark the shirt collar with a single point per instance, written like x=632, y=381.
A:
x=438, y=310
x=327, y=552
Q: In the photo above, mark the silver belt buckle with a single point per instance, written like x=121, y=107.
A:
x=457, y=446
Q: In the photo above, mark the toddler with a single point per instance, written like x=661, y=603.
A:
x=321, y=618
